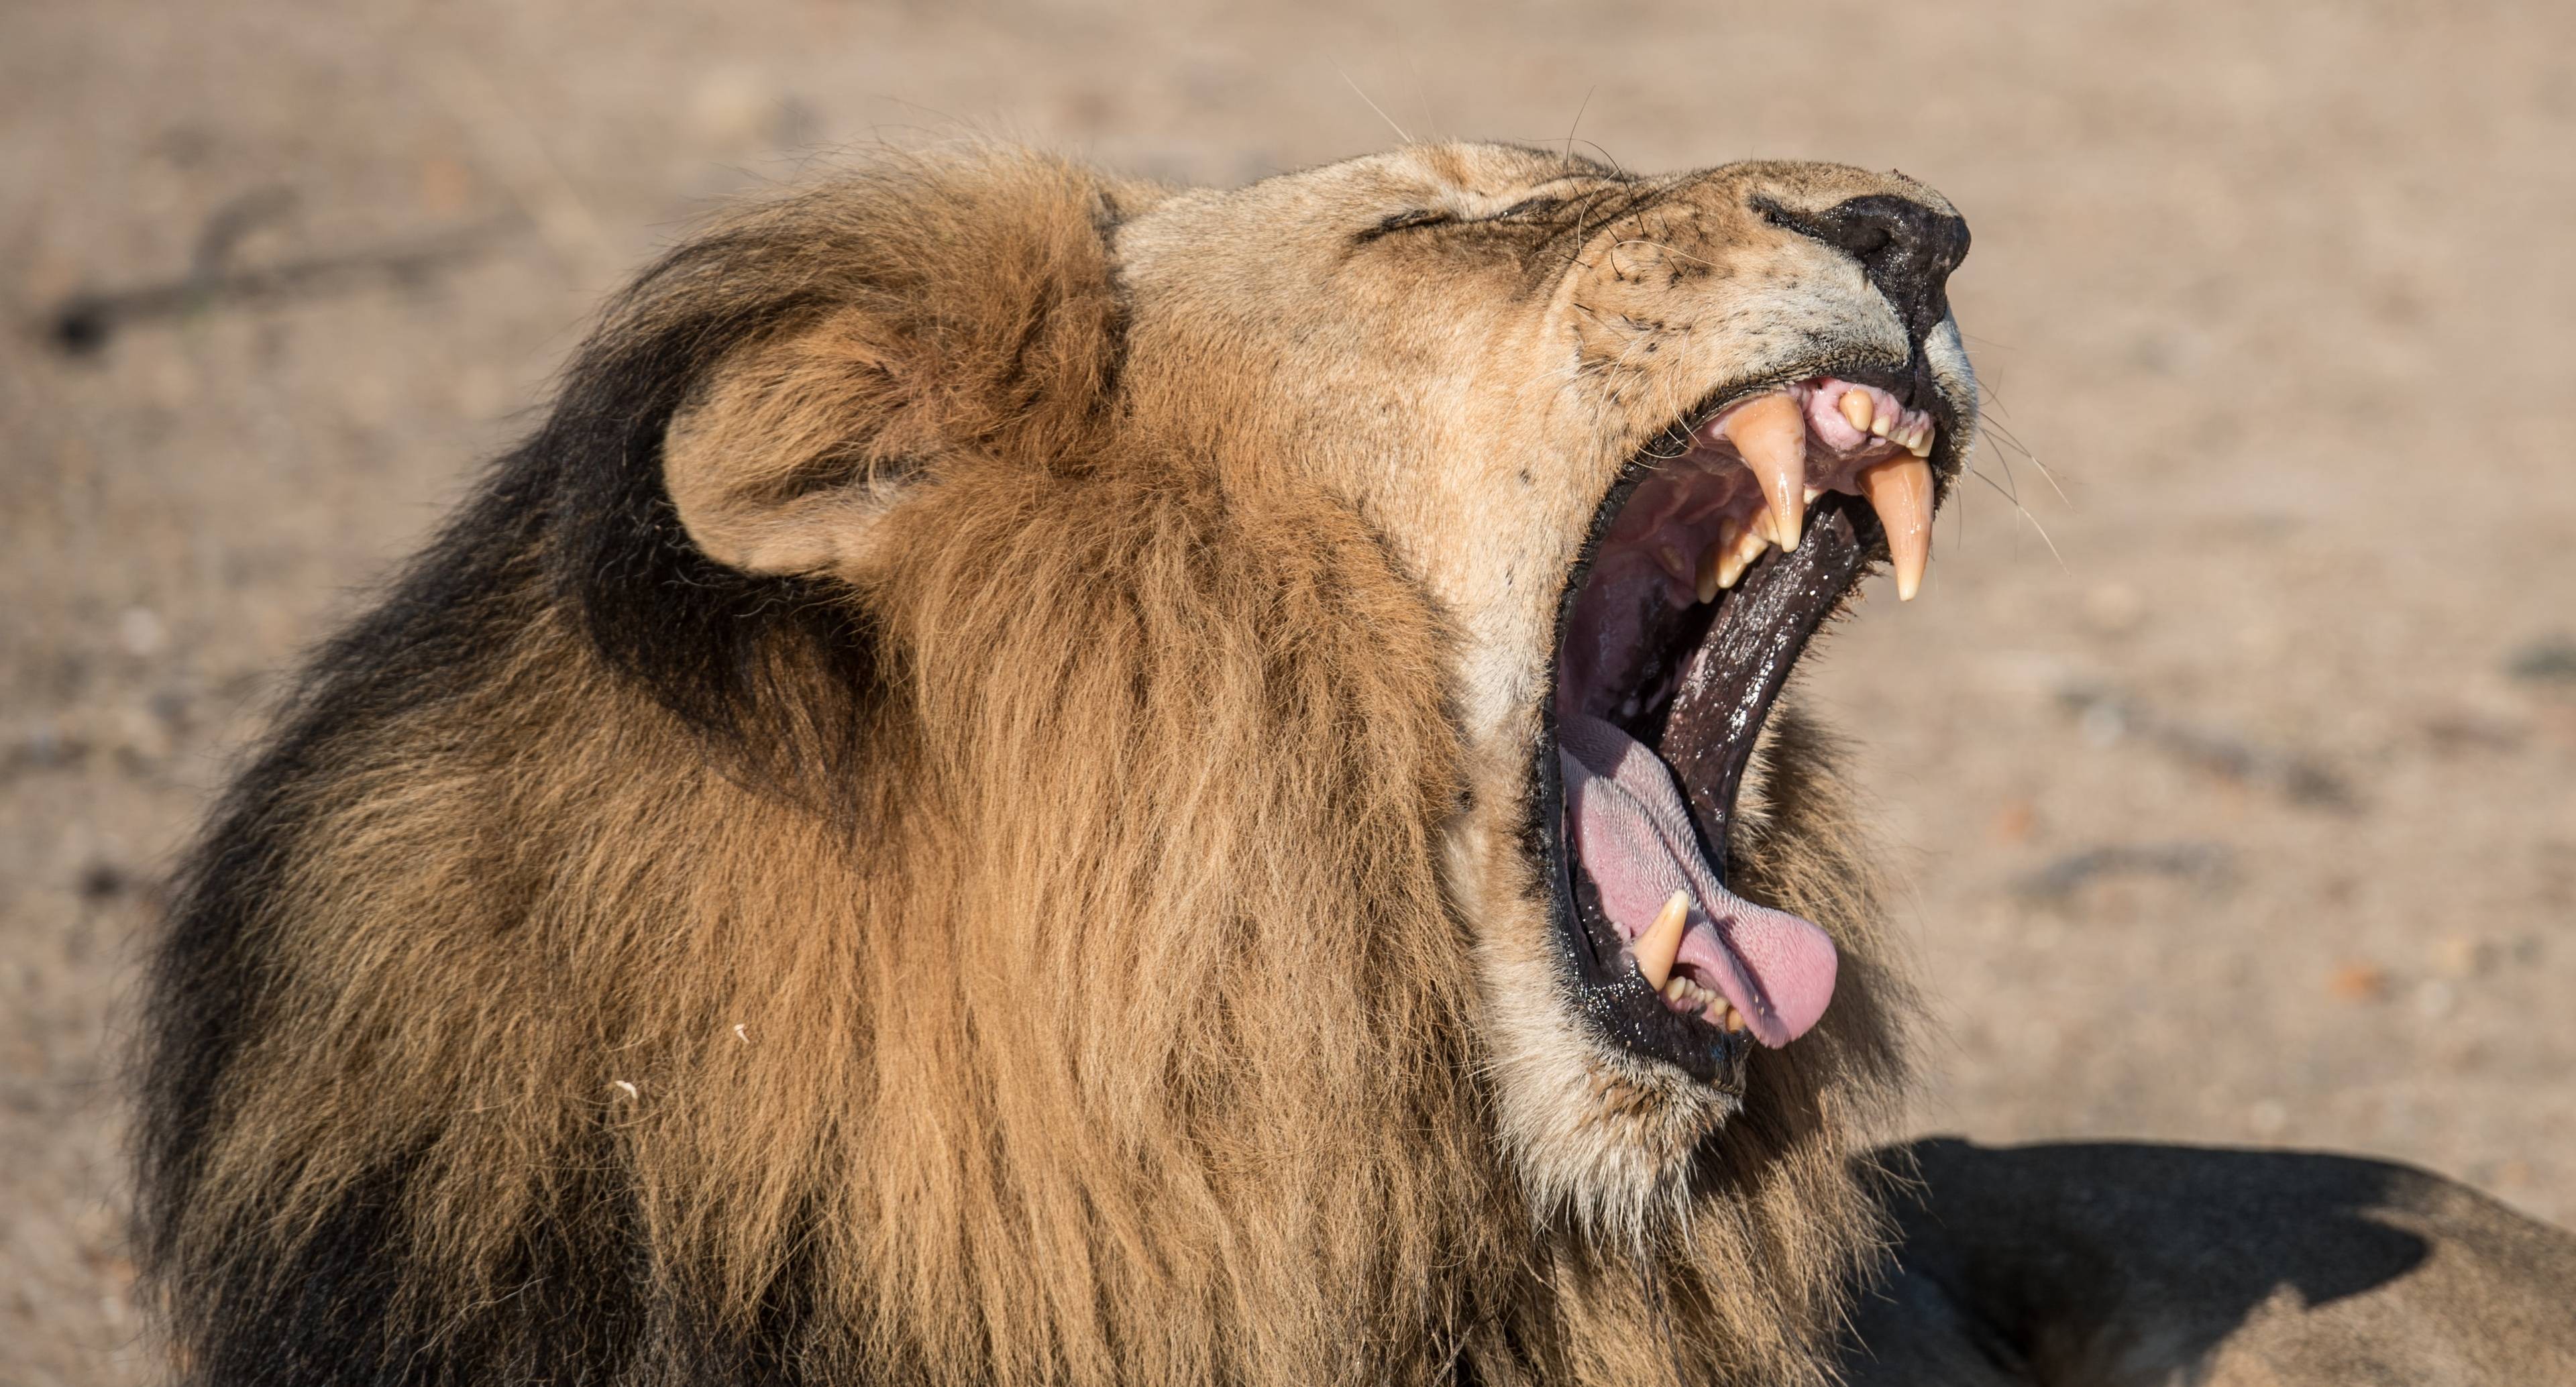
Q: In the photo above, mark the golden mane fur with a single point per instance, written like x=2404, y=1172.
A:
x=897, y=842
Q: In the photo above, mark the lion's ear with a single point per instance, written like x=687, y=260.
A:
x=960, y=310
x=787, y=457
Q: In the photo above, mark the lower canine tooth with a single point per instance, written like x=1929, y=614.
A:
x=1662, y=941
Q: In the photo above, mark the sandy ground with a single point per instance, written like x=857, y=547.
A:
x=2236, y=809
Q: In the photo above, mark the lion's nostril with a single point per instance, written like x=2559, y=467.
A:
x=1906, y=248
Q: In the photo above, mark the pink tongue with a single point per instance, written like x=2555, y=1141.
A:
x=1636, y=840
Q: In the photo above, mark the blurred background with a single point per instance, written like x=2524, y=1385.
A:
x=2228, y=754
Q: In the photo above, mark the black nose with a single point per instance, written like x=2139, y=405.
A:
x=1907, y=249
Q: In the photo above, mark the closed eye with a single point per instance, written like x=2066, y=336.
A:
x=1417, y=217
x=1407, y=221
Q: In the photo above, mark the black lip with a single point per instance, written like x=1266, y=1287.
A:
x=1760, y=628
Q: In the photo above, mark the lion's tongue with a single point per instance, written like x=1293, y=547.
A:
x=1637, y=845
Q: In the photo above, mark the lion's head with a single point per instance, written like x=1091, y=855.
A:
x=1046, y=778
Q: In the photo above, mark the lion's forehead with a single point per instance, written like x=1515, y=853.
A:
x=1304, y=226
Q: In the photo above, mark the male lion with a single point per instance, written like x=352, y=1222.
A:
x=1043, y=778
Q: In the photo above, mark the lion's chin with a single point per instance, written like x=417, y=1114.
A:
x=1602, y=1139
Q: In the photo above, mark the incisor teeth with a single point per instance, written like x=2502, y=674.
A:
x=1919, y=442
x=1879, y=425
x=1900, y=490
x=1771, y=433
x=1662, y=941
x=1857, y=409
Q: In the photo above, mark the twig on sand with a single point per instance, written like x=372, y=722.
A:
x=2209, y=864
x=2109, y=716
x=83, y=324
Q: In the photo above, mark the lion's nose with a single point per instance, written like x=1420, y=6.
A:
x=1907, y=249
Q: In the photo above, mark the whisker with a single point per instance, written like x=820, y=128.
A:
x=2005, y=438
x=1422, y=94
x=1381, y=111
x=2024, y=512
x=1607, y=157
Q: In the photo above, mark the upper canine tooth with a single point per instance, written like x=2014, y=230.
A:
x=1858, y=409
x=1662, y=941
x=1771, y=433
x=1900, y=490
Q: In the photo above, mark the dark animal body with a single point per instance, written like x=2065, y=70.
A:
x=2120, y=1264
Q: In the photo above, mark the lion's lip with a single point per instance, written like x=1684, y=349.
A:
x=1662, y=693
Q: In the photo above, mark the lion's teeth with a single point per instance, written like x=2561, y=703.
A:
x=1771, y=433
x=1919, y=441
x=1721, y=555
x=1743, y=544
x=1858, y=410
x=1662, y=940
x=1900, y=490
x=1677, y=990
x=1735, y=1023
x=1880, y=425
x=1709, y=560
x=1670, y=556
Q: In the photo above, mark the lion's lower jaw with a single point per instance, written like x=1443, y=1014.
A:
x=1602, y=1139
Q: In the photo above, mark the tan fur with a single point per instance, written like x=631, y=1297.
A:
x=1165, y=995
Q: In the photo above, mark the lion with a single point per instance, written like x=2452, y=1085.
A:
x=1040, y=777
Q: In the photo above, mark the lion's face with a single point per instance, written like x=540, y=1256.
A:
x=1565, y=397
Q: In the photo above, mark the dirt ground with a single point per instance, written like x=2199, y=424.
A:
x=2236, y=806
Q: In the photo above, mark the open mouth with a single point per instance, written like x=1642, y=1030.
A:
x=1712, y=561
